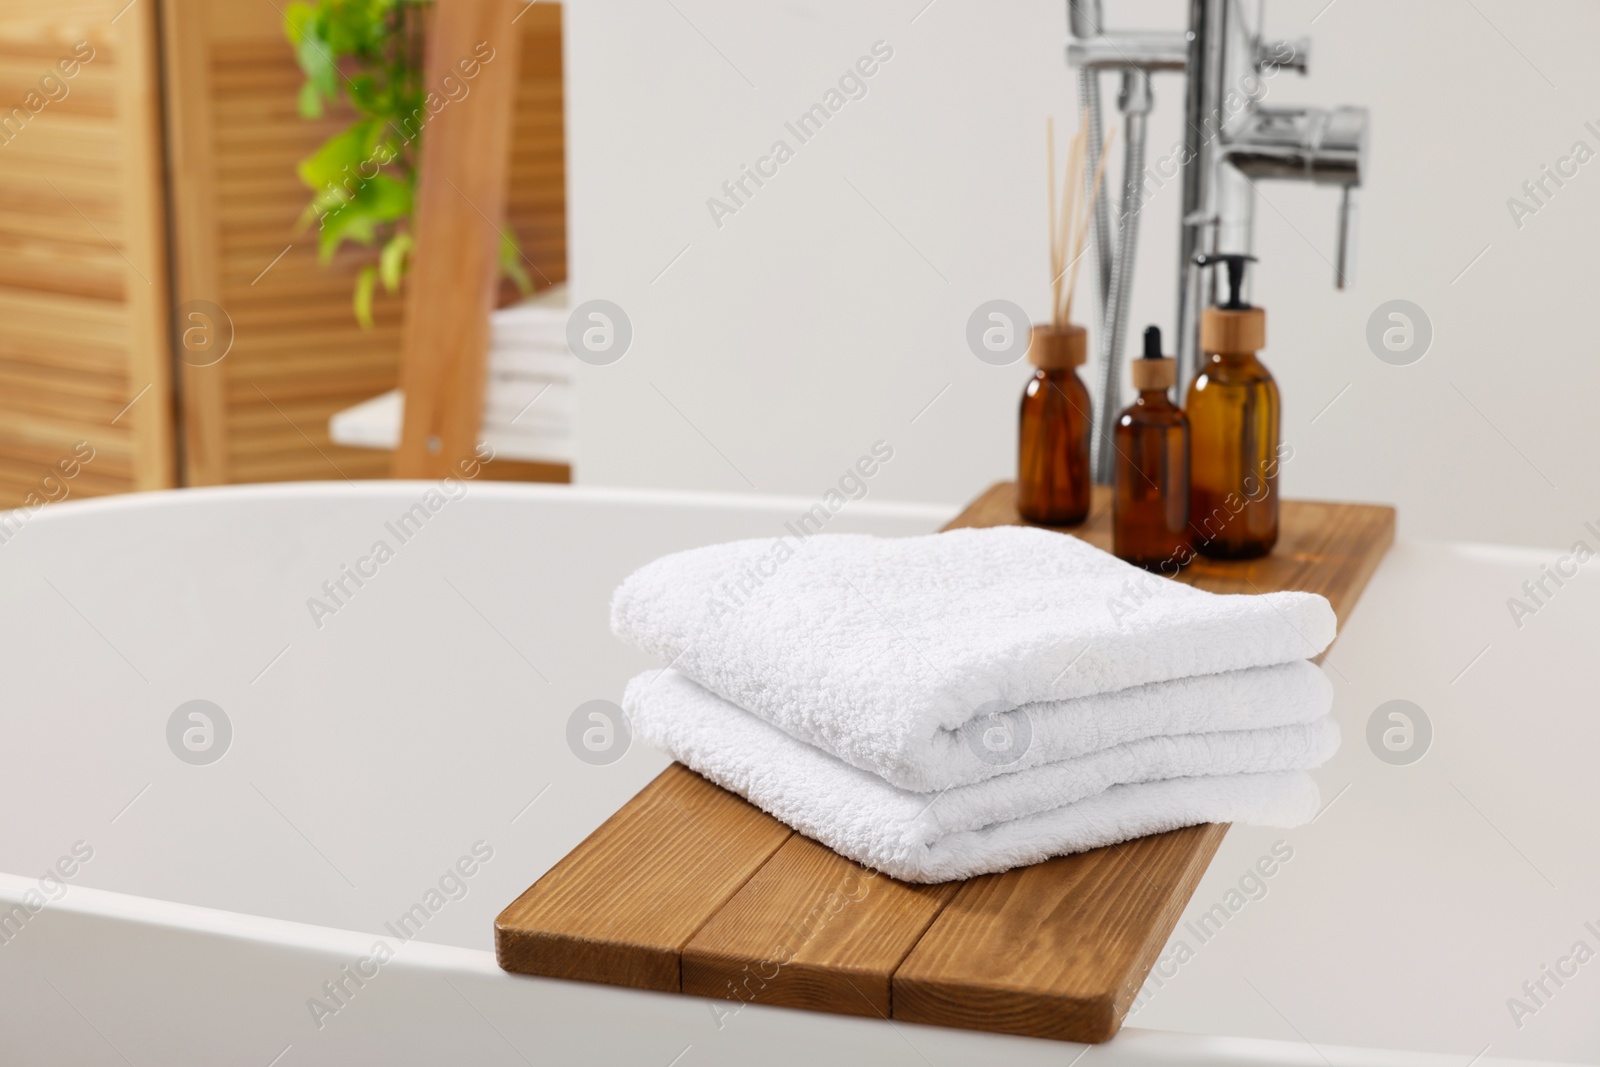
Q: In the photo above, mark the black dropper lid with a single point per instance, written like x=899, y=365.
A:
x=1152, y=342
x=1235, y=262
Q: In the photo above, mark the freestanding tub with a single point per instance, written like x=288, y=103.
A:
x=305, y=866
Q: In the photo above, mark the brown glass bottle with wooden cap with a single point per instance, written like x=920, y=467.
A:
x=1233, y=428
x=1053, y=447
x=1150, y=501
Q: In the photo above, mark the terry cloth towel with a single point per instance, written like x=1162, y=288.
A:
x=878, y=650
x=1111, y=795
x=1001, y=741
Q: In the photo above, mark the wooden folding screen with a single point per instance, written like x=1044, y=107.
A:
x=84, y=360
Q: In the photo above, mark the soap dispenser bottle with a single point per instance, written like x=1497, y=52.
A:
x=1233, y=428
x=1053, y=444
x=1150, y=502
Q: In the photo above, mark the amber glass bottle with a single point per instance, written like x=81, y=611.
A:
x=1150, y=505
x=1053, y=446
x=1233, y=427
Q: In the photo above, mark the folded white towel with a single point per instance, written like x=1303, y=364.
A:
x=1114, y=794
x=1015, y=739
x=879, y=650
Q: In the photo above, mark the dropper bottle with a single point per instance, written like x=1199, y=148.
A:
x=1150, y=502
x=1233, y=427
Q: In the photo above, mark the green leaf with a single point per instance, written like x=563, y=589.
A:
x=339, y=160
x=365, y=94
x=349, y=223
x=379, y=201
x=350, y=26
x=316, y=60
x=363, y=178
x=310, y=101
x=385, y=197
x=295, y=19
x=322, y=205
x=365, y=281
x=392, y=262
x=511, y=262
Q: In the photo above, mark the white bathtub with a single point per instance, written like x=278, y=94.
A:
x=419, y=721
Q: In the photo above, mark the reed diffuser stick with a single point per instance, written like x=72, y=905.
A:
x=1072, y=180
x=1050, y=192
x=1070, y=211
x=1083, y=222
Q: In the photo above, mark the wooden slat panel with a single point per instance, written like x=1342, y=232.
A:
x=285, y=444
x=68, y=383
x=536, y=207
x=1058, y=949
x=41, y=315
x=22, y=350
x=55, y=141
x=812, y=930
x=41, y=444
x=45, y=403
x=298, y=393
x=58, y=433
x=50, y=266
x=686, y=847
x=256, y=465
x=82, y=252
x=92, y=94
x=233, y=79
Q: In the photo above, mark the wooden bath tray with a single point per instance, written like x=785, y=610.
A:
x=690, y=889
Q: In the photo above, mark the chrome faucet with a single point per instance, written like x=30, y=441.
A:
x=1231, y=141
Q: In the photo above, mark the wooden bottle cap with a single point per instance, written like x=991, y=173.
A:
x=1237, y=332
x=1154, y=373
x=1053, y=349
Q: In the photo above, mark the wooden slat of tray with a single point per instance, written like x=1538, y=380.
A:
x=621, y=906
x=812, y=930
x=1009, y=953
x=1058, y=949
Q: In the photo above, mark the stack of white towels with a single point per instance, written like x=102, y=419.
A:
x=966, y=702
x=529, y=402
x=529, y=399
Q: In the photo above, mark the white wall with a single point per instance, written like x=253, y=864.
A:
x=830, y=310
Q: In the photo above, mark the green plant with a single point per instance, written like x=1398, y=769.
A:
x=364, y=178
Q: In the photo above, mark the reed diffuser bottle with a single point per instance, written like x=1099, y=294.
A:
x=1233, y=426
x=1053, y=474
x=1150, y=502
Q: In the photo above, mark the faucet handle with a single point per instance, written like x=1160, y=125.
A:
x=1316, y=144
x=1284, y=54
x=1344, y=258
x=1324, y=146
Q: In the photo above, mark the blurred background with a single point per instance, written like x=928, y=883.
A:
x=164, y=295
x=774, y=344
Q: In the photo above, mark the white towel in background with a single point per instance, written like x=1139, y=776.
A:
x=1110, y=795
x=879, y=649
